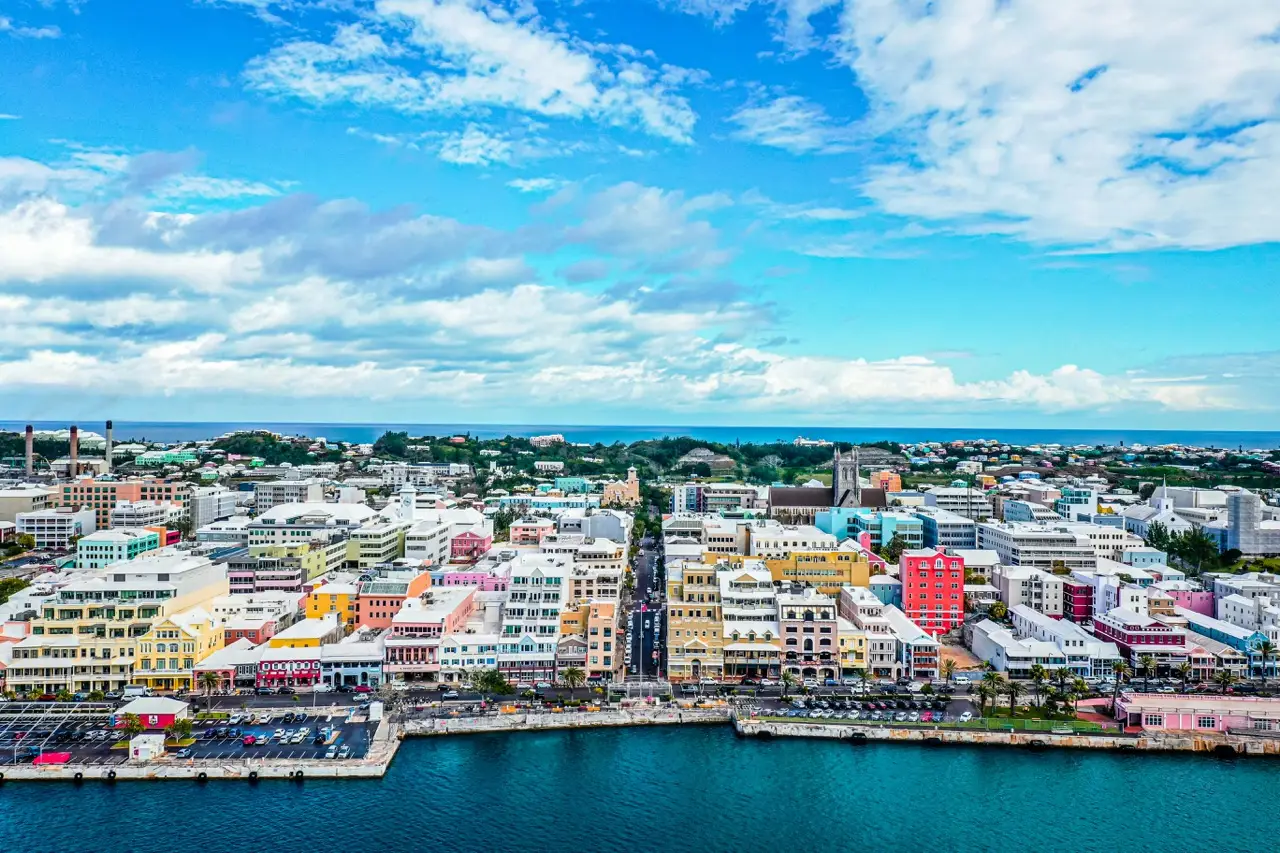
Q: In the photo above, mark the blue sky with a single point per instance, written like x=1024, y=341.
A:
x=798, y=212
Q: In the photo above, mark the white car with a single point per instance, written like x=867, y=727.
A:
x=810, y=682
x=961, y=679
x=966, y=717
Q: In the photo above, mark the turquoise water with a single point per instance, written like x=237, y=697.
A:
x=692, y=789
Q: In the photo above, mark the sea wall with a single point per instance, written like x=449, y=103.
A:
x=570, y=720
x=1207, y=743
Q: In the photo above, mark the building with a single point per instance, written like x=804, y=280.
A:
x=530, y=626
x=102, y=495
x=946, y=530
x=1007, y=653
x=86, y=634
x=209, y=504
x=1030, y=587
x=269, y=495
x=58, y=527
x=145, y=514
x=1086, y=655
x=596, y=524
x=695, y=623
x=1108, y=542
x=971, y=503
x=1244, y=640
x=233, y=530
x=168, y=653
x=24, y=498
x=1197, y=713
x=413, y=642
x=918, y=653
x=622, y=492
x=751, y=632
x=1015, y=510
x=932, y=589
x=771, y=541
x=155, y=712
x=235, y=664
x=380, y=599
x=526, y=531
x=104, y=547
x=866, y=613
x=286, y=568
x=333, y=599
x=604, y=647
x=352, y=662
x=810, y=634
x=296, y=667
x=311, y=632
x=268, y=612
x=878, y=527
x=1077, y=600
x=462, y=653
x=1247, y=530
x=295, y=523
x=1038, y=545
x=1137, y=636
x=828, y=571
x=1074, y=502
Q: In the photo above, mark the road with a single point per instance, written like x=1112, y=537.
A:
x=646, y=611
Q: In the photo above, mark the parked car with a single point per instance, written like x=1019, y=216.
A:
x=185, y=752
x=966, y=717
x=363, y=688
x=343, y=688
x=285, y=691
x=344, y=751
x=449, y=694
x=331, y=752
x=249, y=740
x=960, y=679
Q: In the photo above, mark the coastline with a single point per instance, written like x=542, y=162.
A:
x=390, y=735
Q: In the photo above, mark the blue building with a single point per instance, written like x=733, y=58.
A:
x=1242, y=640
x=847, y=522
x=888, y=589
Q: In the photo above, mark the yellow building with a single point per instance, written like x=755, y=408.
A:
x=309, y=633
x=853, y=647
x=87, y=635
x=169, y=652
x=573, y=621
x=337, y=599
x=622, y=492
x=826, y=570
x=695, y=622
x=317, y=556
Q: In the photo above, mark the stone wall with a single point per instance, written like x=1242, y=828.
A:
x=569, y=720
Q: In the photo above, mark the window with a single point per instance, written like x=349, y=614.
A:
x=1153, y=720
x=1206, y=723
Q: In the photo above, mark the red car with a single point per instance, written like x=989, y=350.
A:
x=249, y=740
x=363, y=688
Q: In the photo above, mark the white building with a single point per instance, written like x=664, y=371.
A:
x=24, y=498
x=145, y=513
x=775, y=541
x=859, y=606
x=211, y=503
x=1108, y=542
x=1258, y=613
x=531, y=617
x=295, y=523
x=55, y=528
x=548, y=465
x=1030, y=587
x=267, y=496
x=278, y=607
x=233, y=530
x=1039, y=545
x=104, y=547
x=971, y=503
x=997, y=645
x=1086, y=655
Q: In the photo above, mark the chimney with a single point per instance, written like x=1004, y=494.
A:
x=31, y=450
x=74, y=468
x=108, y=452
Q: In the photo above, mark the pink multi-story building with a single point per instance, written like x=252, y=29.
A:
x=1077, y=601
x=256, y=631
x=413, y=642
x=469, y=545
x=289, y=667
x=1137, y=636
x=932, y=589
x=1190, y=597
x=485, y=581
x=529, y=531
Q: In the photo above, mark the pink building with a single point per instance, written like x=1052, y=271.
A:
x=529, y=531
x=1193, y=713
x=932, y=589
x=1186, y=595
x=256, y=631
x=413, y=642
x=469, y=546
x=297, y=667
x=485, y=581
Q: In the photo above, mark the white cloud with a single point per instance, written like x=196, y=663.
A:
x=792, y=18
x=793, y=124
x=633, y=219
x=8, y=27
x=476, y=147
x=202, y=186
x=9, y=117
x=475, y=54
x=537, y=185
x=42, y=240
x=1115, y=124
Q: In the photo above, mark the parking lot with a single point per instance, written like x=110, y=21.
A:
x=84, y=731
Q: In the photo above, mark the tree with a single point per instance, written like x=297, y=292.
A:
x=489, y=681
x=63, y=695
x=1195, y=547
x=1121, y=670
x=1183, y=671
x=1266, y=649
x=97, y=696
x=1063, y=675
x=1039, y=675
x=132, y=726
x=788, y=682
x=1013, y=689
x=998, y=610
x=26, y=540
x=574, y=677
x=178, y=730
x=948, y=669
x=1079, y=687
x=1148, y=664
x=893, y=551
x=1158, y=535
x=926, y=690
x=209, y=681
x=1224, y=678
x=9, y=586
x=985, y=694
x=394, y=444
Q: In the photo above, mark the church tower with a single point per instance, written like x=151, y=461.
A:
x=845, y=490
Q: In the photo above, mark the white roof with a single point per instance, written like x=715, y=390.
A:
x=153, y=705
x=309, y=628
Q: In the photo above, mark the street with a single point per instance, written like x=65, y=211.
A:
x=645, y=619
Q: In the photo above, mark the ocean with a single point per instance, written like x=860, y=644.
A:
x=176, y=431
x=678, y=789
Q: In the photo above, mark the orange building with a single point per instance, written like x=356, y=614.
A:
x=381, y=599
x=101, y=495
x=890, y=481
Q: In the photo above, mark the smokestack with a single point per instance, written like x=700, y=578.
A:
x=109, y=431
x=31, y=450
x=74, y=469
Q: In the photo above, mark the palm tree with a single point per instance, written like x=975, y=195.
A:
x=1038, y=676
x=574, y=677
x=209, y=681
x=1013, y=689
x=1183, y=671
x=1063, y=675
x=97, y=696
x=1224, y=678
x=985, y=693
x=861, y=675
x=1079, y=687
x=948, y=669
x=788, y=682
x=1148, y=664
x=63, y=695
x=1121, y=670
x=132, y=726
x=1265, y=649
